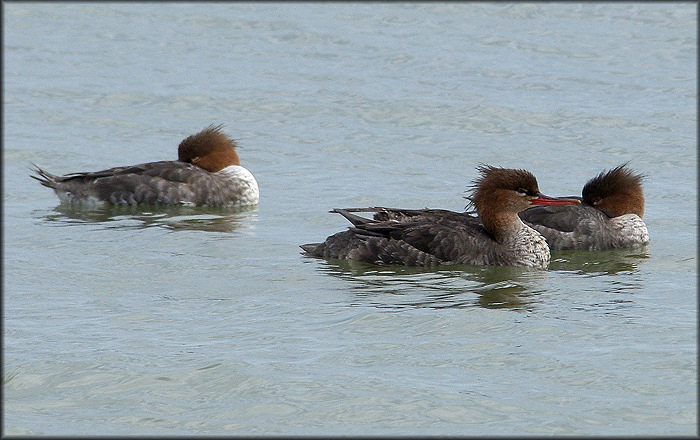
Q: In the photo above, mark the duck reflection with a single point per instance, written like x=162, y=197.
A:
x=399, y=287
x=492, y=287
x=174, y=218
x=606, y=262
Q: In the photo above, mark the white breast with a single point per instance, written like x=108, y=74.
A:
x=247, y=186
x=528, y=247
x=630, y=229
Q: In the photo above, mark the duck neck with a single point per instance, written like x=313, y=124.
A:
x=217, y=160
x=502, y=225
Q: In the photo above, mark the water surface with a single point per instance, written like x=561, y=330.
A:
x=127, y=321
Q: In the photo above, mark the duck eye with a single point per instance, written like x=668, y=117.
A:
x=521, y=192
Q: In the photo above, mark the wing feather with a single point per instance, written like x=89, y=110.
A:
x=153, y=183
x=411, y=237
x=570, y=227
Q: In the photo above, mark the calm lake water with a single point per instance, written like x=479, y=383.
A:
x=201, y=321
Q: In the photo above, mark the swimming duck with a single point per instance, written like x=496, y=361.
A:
x=609, y=216
x=207, y=173
x=431, y=237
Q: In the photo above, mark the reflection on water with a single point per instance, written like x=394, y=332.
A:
x=492, y=287
x=141, y=217
x=445, y=287
x=595, y=263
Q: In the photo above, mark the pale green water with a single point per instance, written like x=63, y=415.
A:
x=207, y=322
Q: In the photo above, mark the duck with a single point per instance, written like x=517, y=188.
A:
x=207, y=173
x=608, y=217
x=432, y=237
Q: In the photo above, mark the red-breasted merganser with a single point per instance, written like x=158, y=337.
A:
x=609, y=216
x=429, y=237
x=207, y=173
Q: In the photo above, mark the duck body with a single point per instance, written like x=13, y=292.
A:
x=207, y=173
x=585, y=227
x=609, y=216
x=431, y=237
x=156, y=183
